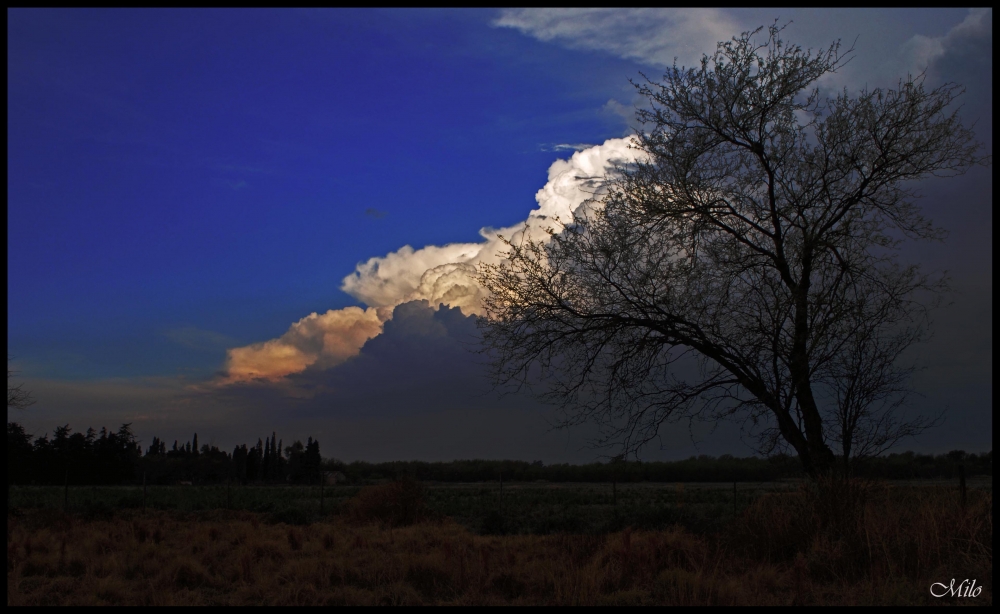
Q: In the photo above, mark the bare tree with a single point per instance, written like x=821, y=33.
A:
x=755, y=237
x=17, y=397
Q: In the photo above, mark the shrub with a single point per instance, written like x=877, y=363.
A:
x=399, y=503
x=776, y=526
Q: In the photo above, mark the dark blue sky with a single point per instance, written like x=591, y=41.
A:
x=213, y=168
x=184, y=182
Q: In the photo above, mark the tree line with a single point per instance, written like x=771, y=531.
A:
x=725, y=468
x=117, y=457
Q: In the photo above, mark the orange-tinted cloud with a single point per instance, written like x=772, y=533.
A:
x=323, y=340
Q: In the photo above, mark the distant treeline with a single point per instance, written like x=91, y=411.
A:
x=116, y=457
x=726, y=468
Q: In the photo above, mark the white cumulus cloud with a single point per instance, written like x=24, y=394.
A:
x=445, y=274
x=439, y=274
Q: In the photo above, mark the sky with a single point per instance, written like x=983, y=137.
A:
x=234, y=222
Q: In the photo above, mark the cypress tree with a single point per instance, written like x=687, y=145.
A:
x=311, y=461
x=265, y=465
x=279, y=461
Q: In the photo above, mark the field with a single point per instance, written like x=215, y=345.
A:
x=536, y=508
x=401, y=543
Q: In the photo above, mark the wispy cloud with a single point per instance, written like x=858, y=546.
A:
x=655, y=37
x=567, y=147
x=375, y=213
x=921, y=52
x=243, y=169
x=237, y=184
x=648, y=35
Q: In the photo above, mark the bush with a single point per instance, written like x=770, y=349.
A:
x=777, y=526
x=399, y=503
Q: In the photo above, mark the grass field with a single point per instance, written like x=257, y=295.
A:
x=535, y=508
x=874, y=543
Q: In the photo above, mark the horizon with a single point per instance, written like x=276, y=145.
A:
x=228, y=222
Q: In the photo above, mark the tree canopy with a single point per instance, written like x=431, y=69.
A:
x=745, y=265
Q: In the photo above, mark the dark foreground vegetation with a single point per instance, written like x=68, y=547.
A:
x=95, y=518
x=862, y=542
x=483, y=508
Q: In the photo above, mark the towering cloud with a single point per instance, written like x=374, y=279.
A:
x=437, y=274
x=445, y=274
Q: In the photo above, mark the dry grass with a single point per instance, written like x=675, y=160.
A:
x=869, y=545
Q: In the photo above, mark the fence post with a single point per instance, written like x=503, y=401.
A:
x=322, y=483
x=66, y=492
x=734, y=500
x=961, y=483
x=143, y=492
x=501, y=494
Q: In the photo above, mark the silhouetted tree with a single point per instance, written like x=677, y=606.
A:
x=754, y=234
x=19, y=453
x=240, y=455
x=280, y=469
x=265, y=466
x=275, y=473
x=311, y=462
x=294, y=457
x=254, y=462
x=17, y=396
